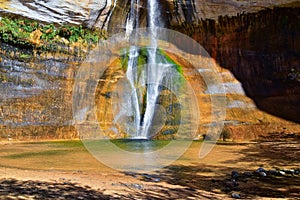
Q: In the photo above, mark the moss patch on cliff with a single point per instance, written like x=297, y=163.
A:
x=32, y=34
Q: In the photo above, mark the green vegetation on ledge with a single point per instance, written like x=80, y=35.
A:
x=32, y=34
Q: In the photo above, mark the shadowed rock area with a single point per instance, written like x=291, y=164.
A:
x=262, y=51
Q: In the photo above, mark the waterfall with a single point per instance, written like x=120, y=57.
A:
x=152, y=74
x=155, y=68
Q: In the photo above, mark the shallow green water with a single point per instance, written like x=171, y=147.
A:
x=140, y=145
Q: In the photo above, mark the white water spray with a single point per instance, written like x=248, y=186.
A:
x=152, y=74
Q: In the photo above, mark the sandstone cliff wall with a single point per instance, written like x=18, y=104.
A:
x=258, y=54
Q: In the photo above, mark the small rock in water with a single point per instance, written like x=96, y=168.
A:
x=235, y=195
x=260, y=170
x=147, y=176
x=282, y=173
x=297, y=172
x=137, y=186
x=156, y=179
x=234, y=174
x=262, y=174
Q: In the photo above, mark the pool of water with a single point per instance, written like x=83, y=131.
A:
x=140, y=145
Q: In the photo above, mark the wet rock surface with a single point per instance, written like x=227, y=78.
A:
x=35, y=93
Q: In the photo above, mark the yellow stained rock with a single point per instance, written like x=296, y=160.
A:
x=35, y=36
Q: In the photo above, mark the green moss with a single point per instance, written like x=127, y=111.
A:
x=25, y=56
x=14, y=31
x=49, y=32
x=124, y=59
x=28, y=33
x=143, y=58
x=177, y=66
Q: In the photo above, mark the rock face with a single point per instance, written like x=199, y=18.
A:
x=36, y=91
x=262, y=45
x=260, y=48
x=98, y=13
x=262, y=51
x=188, y=12
x=86, y=12
x=191, y=11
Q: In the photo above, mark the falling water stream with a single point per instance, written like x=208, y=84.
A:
x=153, y=73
